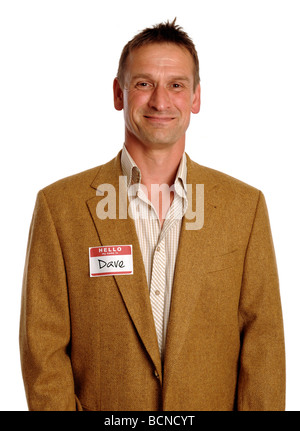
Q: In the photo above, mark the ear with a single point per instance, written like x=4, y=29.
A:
x=196, y=100
x=118, y=95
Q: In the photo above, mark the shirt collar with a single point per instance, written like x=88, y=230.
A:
x=133, y=173
x=130, y=168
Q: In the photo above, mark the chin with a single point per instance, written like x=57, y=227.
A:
x=160, y=139
x=159, y=143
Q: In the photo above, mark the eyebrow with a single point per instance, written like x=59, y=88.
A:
x=171, y=78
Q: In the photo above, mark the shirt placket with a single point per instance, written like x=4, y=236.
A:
x=157, y=284
x=157, y=290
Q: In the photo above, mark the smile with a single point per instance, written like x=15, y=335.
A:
x=154, y=119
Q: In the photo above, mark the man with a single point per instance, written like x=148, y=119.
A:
x=127, y=303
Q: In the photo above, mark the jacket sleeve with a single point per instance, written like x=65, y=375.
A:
x=45, y=320
x=261, y=382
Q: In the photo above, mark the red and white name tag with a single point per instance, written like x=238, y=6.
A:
x=111, y=260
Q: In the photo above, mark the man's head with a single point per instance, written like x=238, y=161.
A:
x=160, y=33
x=158, y=86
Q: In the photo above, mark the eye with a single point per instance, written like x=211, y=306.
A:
x=143, y=85
x=176, y=86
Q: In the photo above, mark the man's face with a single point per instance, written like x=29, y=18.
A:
x=158, y=95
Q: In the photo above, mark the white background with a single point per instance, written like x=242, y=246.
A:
x=58, y=60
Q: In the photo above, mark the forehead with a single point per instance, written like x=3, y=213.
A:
x=160, y=56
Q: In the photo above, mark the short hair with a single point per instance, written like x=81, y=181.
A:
x=160, y=33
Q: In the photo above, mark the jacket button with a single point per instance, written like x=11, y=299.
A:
x=156, y=374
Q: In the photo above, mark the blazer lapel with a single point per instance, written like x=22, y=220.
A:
x=189, y=275
x=121, y=231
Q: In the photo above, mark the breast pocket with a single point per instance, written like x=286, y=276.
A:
x=223, y=277
x=223, y=261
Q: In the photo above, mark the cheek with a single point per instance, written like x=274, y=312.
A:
x=185, y=109
x=183, y=102
x=137, y=101
x=133, y=109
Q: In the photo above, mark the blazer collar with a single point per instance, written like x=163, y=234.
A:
x=189, y=277
x=121, y=231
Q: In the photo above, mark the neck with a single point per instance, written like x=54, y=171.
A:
x=157, y=165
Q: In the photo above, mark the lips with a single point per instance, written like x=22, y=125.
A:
x=158, y=119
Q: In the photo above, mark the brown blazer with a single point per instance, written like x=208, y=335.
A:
x=90, y=343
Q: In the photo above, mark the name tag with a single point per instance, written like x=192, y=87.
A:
x=111, y=260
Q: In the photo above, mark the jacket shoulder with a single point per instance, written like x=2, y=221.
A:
x=213, y=177
x=78, y=185
x=80, y=180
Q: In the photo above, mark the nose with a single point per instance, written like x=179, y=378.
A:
x=160, y=99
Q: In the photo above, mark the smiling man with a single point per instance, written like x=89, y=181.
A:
x=143, y=310
x=158, y=89
x=160, y=92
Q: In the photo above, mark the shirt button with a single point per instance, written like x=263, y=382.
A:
x=158, y=248
x=156, y=374
x=157, y=292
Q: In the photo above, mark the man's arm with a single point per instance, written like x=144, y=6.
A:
x=45, y=320
x=261, y=384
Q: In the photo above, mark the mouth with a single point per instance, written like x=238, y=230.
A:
x=159, y=119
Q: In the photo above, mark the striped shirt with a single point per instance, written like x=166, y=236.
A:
x=158, y=245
